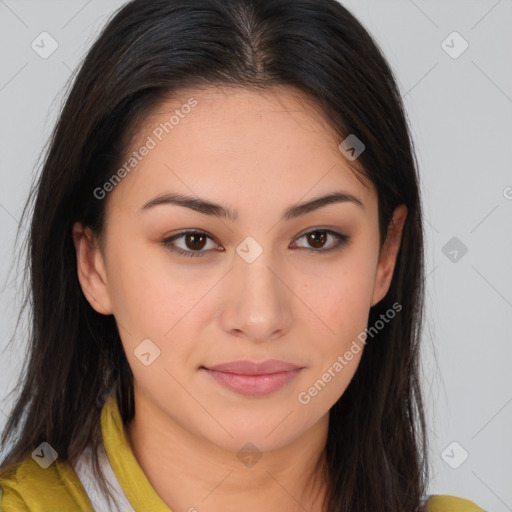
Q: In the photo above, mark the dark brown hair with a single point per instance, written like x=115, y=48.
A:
x=376, y=447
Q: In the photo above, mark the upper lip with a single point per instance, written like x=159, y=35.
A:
x=254, y=368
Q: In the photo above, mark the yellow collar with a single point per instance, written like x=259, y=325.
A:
x=132, y=479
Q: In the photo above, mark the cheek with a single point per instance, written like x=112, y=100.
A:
x=150, y=294
x=154, y=309
x=340, y=297
x=340, y=294
x=336, y=352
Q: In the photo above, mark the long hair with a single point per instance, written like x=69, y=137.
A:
x=376, y=446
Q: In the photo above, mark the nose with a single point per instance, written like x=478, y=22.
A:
x=258, y=301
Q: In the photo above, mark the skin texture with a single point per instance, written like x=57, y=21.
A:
x=258, y=153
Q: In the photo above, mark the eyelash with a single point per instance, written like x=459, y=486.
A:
x=341, y=240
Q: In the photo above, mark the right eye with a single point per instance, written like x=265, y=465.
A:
x=192, y=243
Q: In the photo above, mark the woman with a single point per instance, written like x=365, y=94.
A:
x=226, y=273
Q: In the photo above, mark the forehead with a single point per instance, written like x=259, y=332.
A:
x=234, y=143
x=241, y=103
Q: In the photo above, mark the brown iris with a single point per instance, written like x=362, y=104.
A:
x=317, y=239
x=195, y=241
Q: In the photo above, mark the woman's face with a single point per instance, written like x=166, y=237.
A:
x=268, y=281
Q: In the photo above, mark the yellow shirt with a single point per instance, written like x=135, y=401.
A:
x=58, y=488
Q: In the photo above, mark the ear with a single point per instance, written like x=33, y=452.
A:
x=388, y=254
x=91, y=269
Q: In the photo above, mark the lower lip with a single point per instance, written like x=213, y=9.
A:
x=254, y=385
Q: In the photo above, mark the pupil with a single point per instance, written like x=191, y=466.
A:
x=317, y=239
x=195, y=238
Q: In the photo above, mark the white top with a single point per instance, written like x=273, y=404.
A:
x=100, y=502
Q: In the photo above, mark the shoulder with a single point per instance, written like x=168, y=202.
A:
x=447, y=503
x=30, y=487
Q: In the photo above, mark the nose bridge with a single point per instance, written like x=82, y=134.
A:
x=259, y=283
x=258, y=305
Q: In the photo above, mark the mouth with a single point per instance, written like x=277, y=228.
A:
x=253, y=378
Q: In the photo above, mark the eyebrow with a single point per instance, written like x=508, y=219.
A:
x=217, y=210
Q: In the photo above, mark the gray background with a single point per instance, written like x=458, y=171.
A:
x=460, y=113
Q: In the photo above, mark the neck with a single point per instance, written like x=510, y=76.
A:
x=190, y=473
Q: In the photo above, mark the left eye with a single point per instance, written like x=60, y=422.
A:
x=195, y=241
x=319, y=237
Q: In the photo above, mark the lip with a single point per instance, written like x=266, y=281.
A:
x=254, y=368
x=254, y=378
